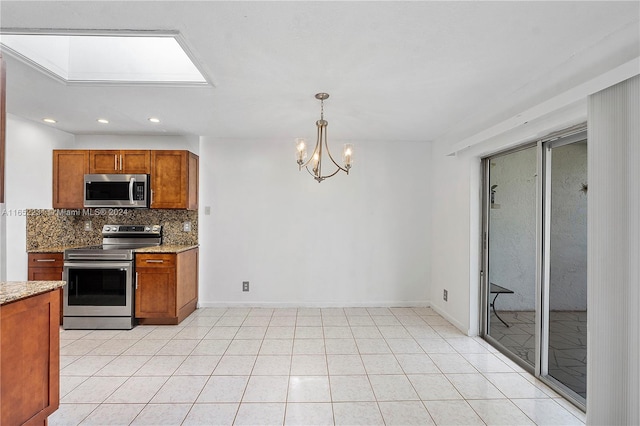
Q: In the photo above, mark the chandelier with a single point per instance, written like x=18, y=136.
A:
x=314, y=164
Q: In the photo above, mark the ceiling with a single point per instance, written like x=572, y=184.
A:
x=396, y=71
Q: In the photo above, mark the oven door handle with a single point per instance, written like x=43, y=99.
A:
x=131, y=183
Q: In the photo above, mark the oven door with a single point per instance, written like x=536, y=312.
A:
x=98, y=288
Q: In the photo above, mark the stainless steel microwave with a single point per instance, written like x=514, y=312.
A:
x=112, y=190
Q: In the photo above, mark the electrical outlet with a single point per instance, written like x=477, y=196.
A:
x=207, y=210
x=245, y=285
x=445, y=295
x=87, y=225
x=186, y=226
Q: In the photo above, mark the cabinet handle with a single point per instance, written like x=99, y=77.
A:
x=136, y=280
x=120, y=161
x=155, y=261
x=151, y=203
x=45, y=260
x=115, y=162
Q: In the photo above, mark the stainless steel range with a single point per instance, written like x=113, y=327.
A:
x=100, y=279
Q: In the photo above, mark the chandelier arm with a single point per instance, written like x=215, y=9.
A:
x=321, y=129
x=330, y=156
x=332, y=174
x=321, y=178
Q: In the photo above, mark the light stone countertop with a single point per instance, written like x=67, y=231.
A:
x=56, y=249
x=10, y=291
x=166, y=248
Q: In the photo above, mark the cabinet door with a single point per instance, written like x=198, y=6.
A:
x=169, y=171
x=46, y=267
x=69, y=168
x=29, y=360
x=155, y=286
x=102, y=162
x=156, y=293
x=136, y=162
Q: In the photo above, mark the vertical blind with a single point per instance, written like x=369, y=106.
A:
x=613, y=273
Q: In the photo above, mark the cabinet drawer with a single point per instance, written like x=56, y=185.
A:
x=45, y=260
x=155, y=260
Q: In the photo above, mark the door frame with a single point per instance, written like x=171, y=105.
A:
x=544, y=148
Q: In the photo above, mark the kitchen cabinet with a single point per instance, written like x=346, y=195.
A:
x=166, y=286
x=119, y=161
x=30, y=359
x=46, y=267
x=69, y=168
x=174, y=180
x=174, y=175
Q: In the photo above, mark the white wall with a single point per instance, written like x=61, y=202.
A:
x=455, y=222
x=361, y=239
x=29, y=177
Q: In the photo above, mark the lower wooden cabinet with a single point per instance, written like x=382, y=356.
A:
x=46, y=267
x=166, y=286
x=30, y=359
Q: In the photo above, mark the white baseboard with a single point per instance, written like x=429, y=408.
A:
x=453, y=321
x=388, y=304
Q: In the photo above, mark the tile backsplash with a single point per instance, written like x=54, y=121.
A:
x=60, y=227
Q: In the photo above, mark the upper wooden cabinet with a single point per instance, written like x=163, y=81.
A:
x=174, y=180
x=69, y=168
x=120, y=161
x=174, y=175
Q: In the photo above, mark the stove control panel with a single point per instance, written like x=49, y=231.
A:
x=131, y=229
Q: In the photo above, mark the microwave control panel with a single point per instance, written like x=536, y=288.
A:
x=138, y=191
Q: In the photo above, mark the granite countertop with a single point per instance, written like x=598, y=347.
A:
x=55, y=249
x=10, y=291
x=164, y=248
x=167, y=248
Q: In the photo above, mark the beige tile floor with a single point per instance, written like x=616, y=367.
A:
x=304, y=366
x=567, y=343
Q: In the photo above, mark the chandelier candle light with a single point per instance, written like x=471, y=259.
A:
x=321, y=145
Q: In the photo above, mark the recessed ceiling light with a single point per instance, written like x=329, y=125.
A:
x=154, y=120
x=49, y=120
x=103, y=121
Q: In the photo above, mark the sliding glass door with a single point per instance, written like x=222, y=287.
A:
x=566, y=263
x=511, y=296
x=535, y=259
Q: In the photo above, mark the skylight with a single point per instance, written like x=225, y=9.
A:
x=88, y=58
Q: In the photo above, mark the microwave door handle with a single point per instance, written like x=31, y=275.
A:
x=131, y=183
